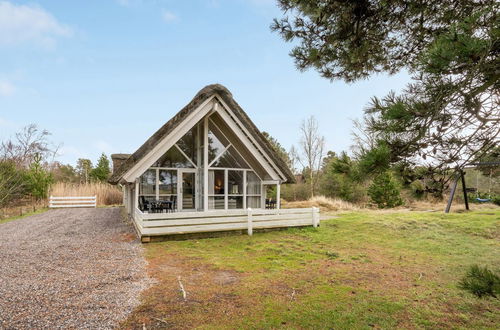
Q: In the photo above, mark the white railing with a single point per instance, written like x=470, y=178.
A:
x=79, y=201
x=157, y=224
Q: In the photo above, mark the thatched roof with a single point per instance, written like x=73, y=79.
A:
x=202, y=95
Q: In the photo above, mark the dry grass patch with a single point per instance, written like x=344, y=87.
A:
x=106, y=194
x=324, y=203
x=363, y=269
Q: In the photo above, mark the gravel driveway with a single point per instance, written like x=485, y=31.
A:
x=69, y=268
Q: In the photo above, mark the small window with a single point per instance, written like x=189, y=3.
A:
x=235, y=202
x=216, y=202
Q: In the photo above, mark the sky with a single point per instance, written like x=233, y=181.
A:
x=104, y=75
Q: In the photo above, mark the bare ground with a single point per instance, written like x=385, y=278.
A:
x=69, y=268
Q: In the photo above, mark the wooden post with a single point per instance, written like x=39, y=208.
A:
x=136, y=196
x=315, y=217
x=452, y=193
x=278, y=196
x=250, y=224
x=466, y=201
x=205, y=163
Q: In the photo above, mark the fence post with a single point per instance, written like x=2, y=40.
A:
x=95, y=201
x=315, y=217
x=250, y=225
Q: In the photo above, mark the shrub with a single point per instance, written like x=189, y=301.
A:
x=39, y=179
x=417, y=188
x=384, y=191
x=481, y=282
x=295, y=192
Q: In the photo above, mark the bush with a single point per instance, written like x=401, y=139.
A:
x=384, y=191
x=38, y=178
x=417, y=188
x=480, y=281
x=295, y=192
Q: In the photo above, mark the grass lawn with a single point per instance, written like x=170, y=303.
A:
x=361, y=270
x=23, y=216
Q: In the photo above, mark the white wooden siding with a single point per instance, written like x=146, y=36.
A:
x=77, y=201
x=157, y=224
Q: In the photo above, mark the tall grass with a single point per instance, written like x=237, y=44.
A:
x=106, y=194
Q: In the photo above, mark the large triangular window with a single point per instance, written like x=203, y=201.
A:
x=183, y=154
x=221, y=153
x=230, y=159
x=173, y=158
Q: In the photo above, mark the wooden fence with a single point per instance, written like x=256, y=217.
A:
x=159, y=224
x=79, y=201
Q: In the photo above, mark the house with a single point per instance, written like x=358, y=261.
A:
x=207, y=169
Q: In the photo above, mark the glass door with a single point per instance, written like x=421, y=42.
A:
x=188, y=191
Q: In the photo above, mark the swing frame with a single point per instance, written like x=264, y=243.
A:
x=461, y=176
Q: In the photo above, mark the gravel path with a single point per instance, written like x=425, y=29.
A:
x=69, y=268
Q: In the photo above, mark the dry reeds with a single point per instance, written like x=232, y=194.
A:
x=106, y=194
x=324, y=203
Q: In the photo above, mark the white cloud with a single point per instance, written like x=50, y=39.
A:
x=29, y=24
x=6, y=88
x=168, y=16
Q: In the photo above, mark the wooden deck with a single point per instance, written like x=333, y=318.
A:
x=164, y=224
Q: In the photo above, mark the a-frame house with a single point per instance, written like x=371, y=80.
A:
x=209, y=158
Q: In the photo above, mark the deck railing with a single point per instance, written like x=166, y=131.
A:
x=158, y=224
x=77, y=201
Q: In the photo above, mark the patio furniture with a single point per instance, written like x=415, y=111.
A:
x=270, y=204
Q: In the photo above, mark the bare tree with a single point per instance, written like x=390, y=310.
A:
x=293, y=155
x=27, y=143
x=312, y=145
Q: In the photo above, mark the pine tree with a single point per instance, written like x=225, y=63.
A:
x=102, y=171
x=384, y=191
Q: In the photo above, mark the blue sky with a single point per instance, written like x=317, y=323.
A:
x=104, y=75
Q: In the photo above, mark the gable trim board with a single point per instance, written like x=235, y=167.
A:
x=212, y=98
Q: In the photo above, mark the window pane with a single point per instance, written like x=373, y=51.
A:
x=188, y=143
x=235, y=202
x=216, y=142
x=173, y=158
x=147, y=183
x=216, y=182
x=253, y=183
x=168, y=182
x=253, y=202
x=216, y=202
x=235, y=182
x=230, y=159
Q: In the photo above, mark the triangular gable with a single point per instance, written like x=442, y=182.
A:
x=209, y=98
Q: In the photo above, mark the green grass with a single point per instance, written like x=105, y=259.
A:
x=361, y=270
x=17, y=217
